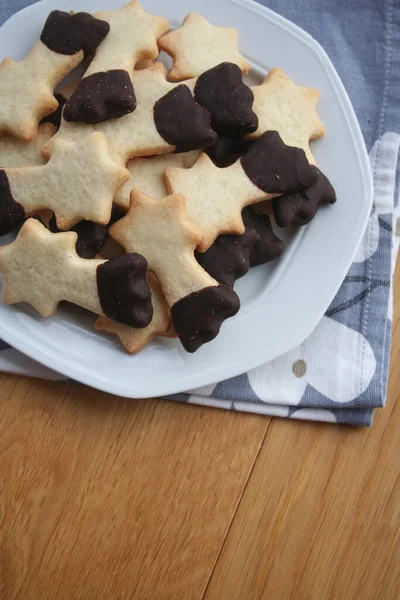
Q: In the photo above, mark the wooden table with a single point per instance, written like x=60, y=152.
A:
x=108, y=498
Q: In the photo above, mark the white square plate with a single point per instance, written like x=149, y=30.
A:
x=281, y=302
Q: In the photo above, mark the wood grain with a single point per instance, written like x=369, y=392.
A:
x=320, y=517
x=106, y=498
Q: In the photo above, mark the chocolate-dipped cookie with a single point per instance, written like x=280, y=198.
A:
x=43, y=269
x=301, y=207
x=228, y=258
x=161, y=230
x=268, y=169
x=65, y=40
x=268, y=245
x=227, y=149
x=182, y=122
x=229, y=100
x=106, y=90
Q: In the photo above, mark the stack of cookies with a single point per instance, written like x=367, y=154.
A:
x=142, y=195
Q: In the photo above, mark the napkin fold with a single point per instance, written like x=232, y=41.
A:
x=339, y=374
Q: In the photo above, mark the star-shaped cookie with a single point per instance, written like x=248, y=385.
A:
x=19, y=153
x=43, y=269
x=137, y=133
x=159, y=230
x=106, y=90
x=134, y=340
x=197, y=46
x=289, y=109
x=133, y=37
x=27, y=89
x=147, y=175
x=26, y=86
x=78, y=183
x=214, y=208
x=268, y=169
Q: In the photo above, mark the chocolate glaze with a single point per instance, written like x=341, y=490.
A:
x=268, y=245
x=116, y=215
x=300, y=208
x=68, y=34
x=227, y=149
x=228, y=258
x=197, y=318
x=91, y=237
x=182, y=122
x=221, y=91
x=100, y=97
x=276, y=168
x=55, y=117
x=123, y=290
x=12, y=213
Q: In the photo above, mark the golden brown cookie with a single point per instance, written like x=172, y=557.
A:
x=43, y=269
x=197, y=46
x=19, y=153
x=289, y=109
x=268, y=169
x=26, y=87
x=166, y=118
x=78, y=183
x=106, y=90
x=161, y=231
x=147, y=175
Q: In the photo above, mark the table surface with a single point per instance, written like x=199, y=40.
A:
x=102, y=497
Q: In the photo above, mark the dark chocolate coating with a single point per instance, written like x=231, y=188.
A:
x=276, y=168
x=55, y=117
x=182, y=122
x=268, y=246
x=300, y=208
x=227, y=149
x=12, y=213
x=198, y=317
x=222, y=92
x=91, y=237
x=68, y=34
x=100, y=97
x=228, y=258
x=123, y=290
x=116, y=215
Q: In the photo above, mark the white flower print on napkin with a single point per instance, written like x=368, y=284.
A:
x=331, y=355
x=335, y=360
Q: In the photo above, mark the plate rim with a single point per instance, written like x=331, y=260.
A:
x=40, y=353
